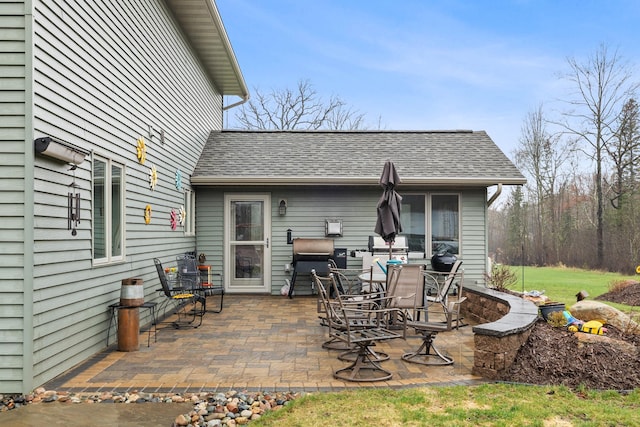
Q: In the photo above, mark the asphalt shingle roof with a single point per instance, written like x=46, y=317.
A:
x=233, y=157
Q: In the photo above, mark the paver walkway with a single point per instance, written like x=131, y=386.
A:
x=256, y=343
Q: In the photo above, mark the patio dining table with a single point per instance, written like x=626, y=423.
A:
x=373, y=282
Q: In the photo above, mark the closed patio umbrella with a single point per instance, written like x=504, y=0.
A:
x=388, y=222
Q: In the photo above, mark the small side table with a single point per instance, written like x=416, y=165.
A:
x=205, y=275
x=151, y=306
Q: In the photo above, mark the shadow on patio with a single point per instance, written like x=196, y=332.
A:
x=256, y=343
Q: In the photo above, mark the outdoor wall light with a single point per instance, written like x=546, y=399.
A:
x=60, y=150
x=282, y=207
x=333, y=227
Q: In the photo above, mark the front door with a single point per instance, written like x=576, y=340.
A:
x=247, y=227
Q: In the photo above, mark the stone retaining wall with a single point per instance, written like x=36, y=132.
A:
x=504, y=323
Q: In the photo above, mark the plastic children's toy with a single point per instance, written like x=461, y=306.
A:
x=576, y=325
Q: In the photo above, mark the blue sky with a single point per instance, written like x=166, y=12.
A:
x=422, y=65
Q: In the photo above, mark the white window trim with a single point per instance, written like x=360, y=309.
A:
x=190, y=208
x=110, y=259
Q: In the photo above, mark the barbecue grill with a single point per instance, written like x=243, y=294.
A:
x=310, y=254
x=377, y=246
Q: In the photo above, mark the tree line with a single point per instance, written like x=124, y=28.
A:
x=581, y=204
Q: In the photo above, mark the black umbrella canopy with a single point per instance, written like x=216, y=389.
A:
x=388, y=223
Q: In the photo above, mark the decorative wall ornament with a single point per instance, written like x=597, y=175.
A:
x=178, y=180
x=73, y=211
x=174, y=219
x=147, y=214
x=141, y=150
x=73, y=205
x=182, y=216
x=153, y=177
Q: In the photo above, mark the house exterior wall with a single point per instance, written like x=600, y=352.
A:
x=102, y=74
x=15, y=208
x=306, y=213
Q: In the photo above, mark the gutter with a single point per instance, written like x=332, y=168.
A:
x=338, y=180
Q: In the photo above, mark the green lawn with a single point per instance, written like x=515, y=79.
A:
x=562, y=284
x=485, y=405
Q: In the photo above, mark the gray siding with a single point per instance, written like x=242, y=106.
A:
x=104, y=73
x=14, y=208
x=474, y=241
x=306, y=212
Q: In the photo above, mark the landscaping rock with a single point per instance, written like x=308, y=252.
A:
x=593, y=310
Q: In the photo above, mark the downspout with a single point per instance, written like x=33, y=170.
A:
x=495, y=195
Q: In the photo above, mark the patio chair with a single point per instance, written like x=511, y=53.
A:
x=327, y=312
x=451, y=286
x=360, y=324
x=404, y=282
x=330, y=313
x=181, y=298
x=348, y=280
x=350, y=283
x=188, y=272
x=191, y=278
x=427, y=353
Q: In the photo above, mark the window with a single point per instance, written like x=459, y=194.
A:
x=413, y=221
x=445, y=224
x=190, y=208
x=108, y=211
x=434, y=215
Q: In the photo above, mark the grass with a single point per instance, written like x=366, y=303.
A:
x=561, y=284
x=487, y=405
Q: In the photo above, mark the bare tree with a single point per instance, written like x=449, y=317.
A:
x=541, y=155
x=602, y=84
x=623, y=222
x=624, y=151
x=300, y=108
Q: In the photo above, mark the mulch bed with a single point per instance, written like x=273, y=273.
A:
x=554, y=356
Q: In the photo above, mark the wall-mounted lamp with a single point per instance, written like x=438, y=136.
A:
x=282, y=207
x=64, y=151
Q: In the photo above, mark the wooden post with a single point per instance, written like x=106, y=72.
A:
x=128, y=329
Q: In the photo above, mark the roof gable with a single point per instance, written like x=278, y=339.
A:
x=352, y=158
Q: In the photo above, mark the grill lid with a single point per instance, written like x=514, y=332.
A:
x=377, y=244
x=312, y=248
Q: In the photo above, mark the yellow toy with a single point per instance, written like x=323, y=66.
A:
x=591, y=327
x=576, y=325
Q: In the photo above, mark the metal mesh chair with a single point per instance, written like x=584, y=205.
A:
x=181, y=299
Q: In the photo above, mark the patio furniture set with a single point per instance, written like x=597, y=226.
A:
x=359, y=315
